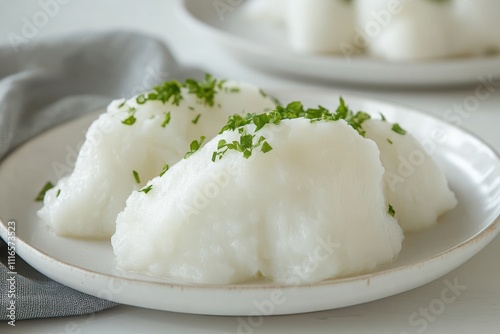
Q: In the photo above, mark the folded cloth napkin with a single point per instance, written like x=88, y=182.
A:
x=48, y=82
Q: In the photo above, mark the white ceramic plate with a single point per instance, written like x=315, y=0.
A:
x=266, y=47
x=472, y=168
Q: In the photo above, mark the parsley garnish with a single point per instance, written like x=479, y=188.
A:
x=266, y=147
x=165, y=169
x=136, y=176
x=221, y=83
x=391, y=211
x=237, y=121
x=204, y=90
x=130, y=120
x=354, y=120
x=146, y=189
x=245, y=145
x=195, y=146
x=389, y=141
x=197, y=118
x=166, y=119
x=41, y=194
x=293, y=110
x=398, y=129
x=165, y=92
x=264, y=94
x=58, y=193
x=171, y=91
x=260, y=121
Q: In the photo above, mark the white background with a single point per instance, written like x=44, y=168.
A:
x=477, y=309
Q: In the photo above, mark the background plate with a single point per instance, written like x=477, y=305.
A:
x=472, y=168
x=266, y=47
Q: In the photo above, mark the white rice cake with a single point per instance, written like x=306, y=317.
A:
x=85, y=203
x=311, y=208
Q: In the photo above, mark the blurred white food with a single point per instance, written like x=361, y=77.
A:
x=271, y=11
x=86, y=203
x=418, y=30
x=414, y=184
x=477, y=26
x=404, y=30
x=320, y=26
x=311, y=208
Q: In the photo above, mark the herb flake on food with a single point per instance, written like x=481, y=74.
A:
x=266, y=147
x=136, y=176
x=245, y=145
x=391, y=211
x=165, y=169
x=204, y=90
x=197, y=118
x=41, y=194
x=146, y=189
x=398, y=129
x=293, y=110
x=195, y=146
x=130, y=120
x=166, y=119
x=170, y=90
x=264, y=94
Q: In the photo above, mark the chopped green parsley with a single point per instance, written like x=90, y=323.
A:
x=245, y=145
x=165, y=169
x=166, y=119
x=248, y=142
x=391, y=211
x=197, y=118
x=146, y=189
x=170, y=90
x=41, y=194
x=195, y=146
x=204, y=90
x=264, y=94
x=398, y=129
x=130, y=120
x=136, y=176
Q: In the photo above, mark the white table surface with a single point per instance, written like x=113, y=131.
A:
x=477, y=309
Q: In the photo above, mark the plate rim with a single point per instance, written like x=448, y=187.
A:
x=229, y=40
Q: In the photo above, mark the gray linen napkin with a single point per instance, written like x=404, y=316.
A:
x=48, y=82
